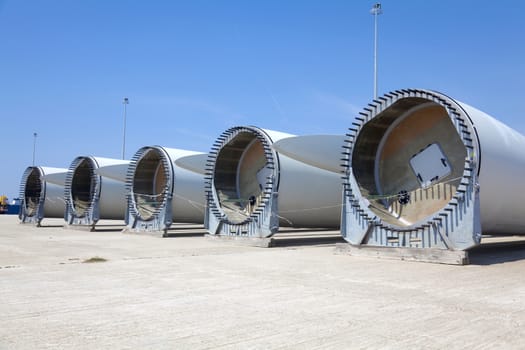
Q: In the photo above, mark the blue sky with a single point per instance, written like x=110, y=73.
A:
x=192, y=69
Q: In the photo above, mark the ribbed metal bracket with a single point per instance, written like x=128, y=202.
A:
x=263, y=222
x=162, y=218
x=458, y=231
x=264, y=225
x=35, y=219
x=91, y=215
x=24, y=215
x=160, y=222
x=457, y=226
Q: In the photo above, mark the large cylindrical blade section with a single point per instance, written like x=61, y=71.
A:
x=241, y=174
x=408, y=161
x=90, y=196
x=33, y=189
x=252, y=190
x=501, y=174
x=83, y=186
x=161, y=192
x=150, y=183
x=40, y=198
x=412, y=164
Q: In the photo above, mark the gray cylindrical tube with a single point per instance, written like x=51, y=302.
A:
x=252, y=189
x=425, y=170
x=41, y=198
x=91, y=197
x=162, y=192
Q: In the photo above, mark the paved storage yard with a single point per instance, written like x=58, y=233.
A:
x=188, y=292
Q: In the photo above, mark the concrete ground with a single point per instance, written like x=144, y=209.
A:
x=188, y=292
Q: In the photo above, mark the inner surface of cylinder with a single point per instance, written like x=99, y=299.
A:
x=83, y=187
x=150, y=183
x=408, y=161
x=32, y=192
x=240, y=176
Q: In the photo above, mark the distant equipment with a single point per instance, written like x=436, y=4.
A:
x=3, y=204
x=252, y=190
x=424, y=170
x=13, y=208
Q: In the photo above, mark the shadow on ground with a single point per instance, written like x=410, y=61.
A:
x=497, y=253
x=305, y=237
x=109, y=228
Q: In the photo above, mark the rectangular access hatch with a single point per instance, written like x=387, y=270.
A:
x=430, y=165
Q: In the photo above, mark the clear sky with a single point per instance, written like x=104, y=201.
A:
x=191, y=69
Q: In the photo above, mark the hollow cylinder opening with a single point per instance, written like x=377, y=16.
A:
x=83, y=187
x=32, y=191
x=408, y=161
x=240, y=176
x=150, y=183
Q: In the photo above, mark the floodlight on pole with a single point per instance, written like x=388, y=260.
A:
x=34, y=146
x=125, y=102
x=375, y=11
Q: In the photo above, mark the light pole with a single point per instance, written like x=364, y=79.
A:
x=34, y=147
x=125, y=102
x=375, y=11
